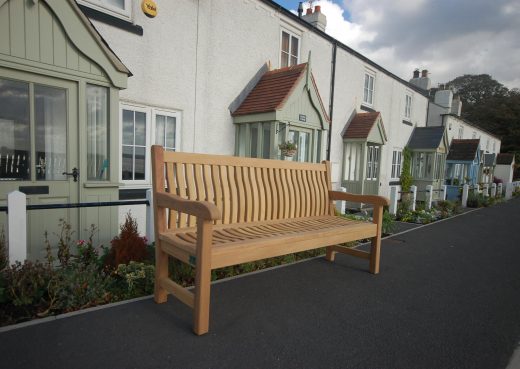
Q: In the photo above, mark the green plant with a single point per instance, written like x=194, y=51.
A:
x=4, y=257
x=128, y=246
x=135, y=279
x=406, y=171
x=287, y=145
x=388, y=224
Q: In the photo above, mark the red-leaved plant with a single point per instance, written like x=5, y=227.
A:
x=128, y=245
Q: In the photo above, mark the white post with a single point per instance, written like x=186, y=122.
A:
x=17, y=226
x=340, y=205
x=509, y=190
x=477, y=189
x=465, y=191
x=150, y=232
x=444, y=192
x=493, y=190
x=499, y=190
x=393, y=199
x=485, y=190
x=429, y=196
x=413, y=188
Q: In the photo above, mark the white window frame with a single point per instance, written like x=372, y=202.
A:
x=408, y=100
x=397, y=161
x=101, y=6
x=367, y=90
x=291, y=35
x=373, y=160
x=151, y=114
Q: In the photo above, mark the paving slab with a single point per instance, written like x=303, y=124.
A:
x=448, y=296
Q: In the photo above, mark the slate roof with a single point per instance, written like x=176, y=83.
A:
x=426, y=137
x=463, y=150
x=361, y=125
x=505, y=159
x=489, y=160
x=271, y=92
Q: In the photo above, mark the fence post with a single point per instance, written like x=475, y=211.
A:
x=509, y=190
x=340, y=205
x=444, y=192
x=150, y=233
x=493, y=190
x=413, y=189
x=464, y=200
x=17, y=226
x=429, y=196
x=499, y=190
x=393, y=200
x=485, y=190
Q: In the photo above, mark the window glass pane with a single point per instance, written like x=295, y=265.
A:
x=117, y=3
x=285, y=60
x=97, y=133
x=140, y=128
x=15, y=141
x=159, y=129
x=50, y=109
x=139, y=160
x=318, y=154
x=294, y=60
x=241, y=144
x=367, y=81
x=294, y=47
x=128, y=127
x=128, y=163
x=266, y=143
x=170, y=132
x=285, y=42
x=254, y=141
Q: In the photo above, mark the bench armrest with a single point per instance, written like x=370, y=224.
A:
x=366, y=199
x=200, y=209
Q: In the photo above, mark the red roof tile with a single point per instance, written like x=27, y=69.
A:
x=271, y=92
x=361, y=125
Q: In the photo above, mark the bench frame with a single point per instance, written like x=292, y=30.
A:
x=206, y=214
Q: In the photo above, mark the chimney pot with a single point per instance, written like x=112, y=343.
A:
x=309, y=11
x=416, y=73
x=424, y=73
x=317, y=9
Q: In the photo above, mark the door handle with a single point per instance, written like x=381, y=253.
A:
x=74, y=174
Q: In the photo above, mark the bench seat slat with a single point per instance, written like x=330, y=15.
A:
x=237, y=243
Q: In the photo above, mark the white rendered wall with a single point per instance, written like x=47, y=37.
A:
x=469, y=132
x=504, y=172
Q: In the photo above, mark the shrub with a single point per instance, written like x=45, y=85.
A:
x=134, y=279
x=406, y=176
x=388, y=226
x=128, y=246
x=448, y=208
x=4, y=257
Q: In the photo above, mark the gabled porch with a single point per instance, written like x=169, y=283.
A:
x=363, y=138
x=462, y=165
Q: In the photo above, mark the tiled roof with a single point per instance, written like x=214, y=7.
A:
x=361, y=125
x=489, y=160
x=463, y=150
x=426, y=137
x=505, y=159
x=271, y=92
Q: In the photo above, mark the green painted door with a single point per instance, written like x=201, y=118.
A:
x=38, y=144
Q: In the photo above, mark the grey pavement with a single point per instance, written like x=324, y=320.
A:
x=448, y=296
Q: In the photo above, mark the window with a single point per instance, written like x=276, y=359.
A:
x=396, y=163
x=461, y=132
x=290, y=50
x=408, y=107
x=440, y=160
x=368, y=90
x=97, y=133
x=142, y=127
x=474, y=135
x=118, y=8
x=372, y=162
x=487, y=145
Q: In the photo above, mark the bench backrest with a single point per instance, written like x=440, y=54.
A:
x=244, y=189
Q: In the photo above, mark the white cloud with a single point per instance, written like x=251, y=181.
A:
x=447, y=38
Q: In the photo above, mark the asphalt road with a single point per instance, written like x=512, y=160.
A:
x=448, y=296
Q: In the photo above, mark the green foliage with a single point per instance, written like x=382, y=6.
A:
x=4, y=256
x=133, y=280
x=388, y=226
x=406, y=171
x=448, y=208
x=477, y=200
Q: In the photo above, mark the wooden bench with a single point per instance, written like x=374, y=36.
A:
x=213, y=211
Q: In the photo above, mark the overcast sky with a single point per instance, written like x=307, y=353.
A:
x=448, y=37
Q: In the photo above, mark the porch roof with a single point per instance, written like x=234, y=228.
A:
x=426, y=138
x=463, y=150
x=505, y=159
x=362, y=124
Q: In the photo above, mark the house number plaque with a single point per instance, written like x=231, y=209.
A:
x=149, y=8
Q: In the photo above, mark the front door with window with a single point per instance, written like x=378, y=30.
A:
x=38, y=147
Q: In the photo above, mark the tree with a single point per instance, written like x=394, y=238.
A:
x=474, y=89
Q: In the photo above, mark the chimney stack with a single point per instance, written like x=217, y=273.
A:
x=300, y=9
x=423, y=81
x=316, y=18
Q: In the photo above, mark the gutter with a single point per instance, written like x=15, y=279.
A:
x=331, y=98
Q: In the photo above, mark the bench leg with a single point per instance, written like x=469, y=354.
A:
x=375, y=250
x=202, y=278
x=161, y=272
x=330, y=254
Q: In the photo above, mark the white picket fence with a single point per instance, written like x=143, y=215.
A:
x=17, y=224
